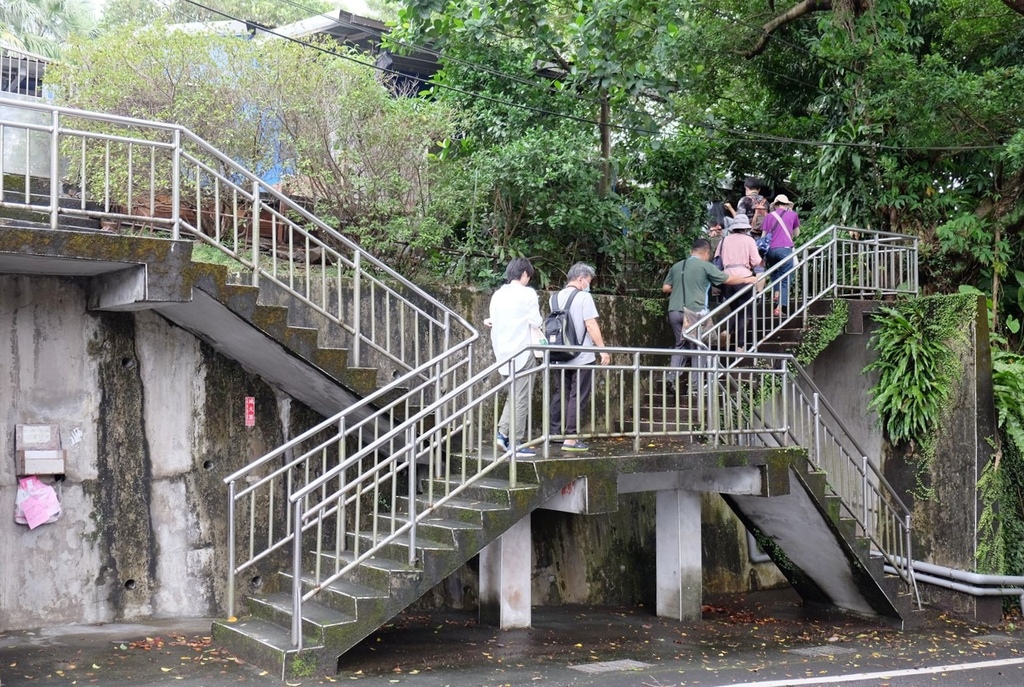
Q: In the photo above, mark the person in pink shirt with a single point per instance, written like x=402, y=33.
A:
x=739, y=255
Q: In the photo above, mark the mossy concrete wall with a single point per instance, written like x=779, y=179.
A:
x=161, y=422
x=942, y=494
x=153, y=420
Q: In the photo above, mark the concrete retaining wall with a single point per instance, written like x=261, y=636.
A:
x=160, y=418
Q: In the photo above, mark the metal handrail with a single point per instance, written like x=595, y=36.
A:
x=838, y=261
x=228, y=207
x=330, y=508
x=864, y=493
x=17, y=64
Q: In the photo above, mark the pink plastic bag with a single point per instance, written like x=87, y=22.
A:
x=36, y=503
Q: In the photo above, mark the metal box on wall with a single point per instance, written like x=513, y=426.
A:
x=38, y=450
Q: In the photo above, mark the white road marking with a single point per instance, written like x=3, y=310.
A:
x=881, y=675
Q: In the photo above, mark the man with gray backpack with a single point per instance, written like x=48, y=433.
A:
x=571, y=386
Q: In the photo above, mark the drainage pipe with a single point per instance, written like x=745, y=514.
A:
x=971, y=589
x=754, y=552
x=962, y=575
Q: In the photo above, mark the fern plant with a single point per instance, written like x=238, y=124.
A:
x=913, y=362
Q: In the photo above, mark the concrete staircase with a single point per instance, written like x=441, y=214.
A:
x=819, y=549
x=136, y=273
x=379, y=588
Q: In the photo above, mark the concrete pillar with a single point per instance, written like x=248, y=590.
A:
x=678, y=556
x=505, y=585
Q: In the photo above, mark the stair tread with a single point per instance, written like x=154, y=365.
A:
x=387, y=564
x=312, y=611
x=267, y=633
x=352, y=589
x=460, y=504
x=421, y=541
x=439, y=521
x=490, y=483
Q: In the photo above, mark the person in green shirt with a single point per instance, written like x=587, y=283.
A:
x=687, y=284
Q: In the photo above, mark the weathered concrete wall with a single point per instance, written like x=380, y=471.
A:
x=143, y=529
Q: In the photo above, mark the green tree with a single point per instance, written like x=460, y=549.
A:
x=338, y=134
x=43, y=26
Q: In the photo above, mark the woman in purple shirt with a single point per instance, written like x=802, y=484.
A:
x=784, y=225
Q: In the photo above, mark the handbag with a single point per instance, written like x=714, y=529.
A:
x=764, y=242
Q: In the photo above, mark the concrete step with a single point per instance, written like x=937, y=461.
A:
x=348, y=598
x=377, y=573
x=488, y=489
x=321, y=624
x=266, y=644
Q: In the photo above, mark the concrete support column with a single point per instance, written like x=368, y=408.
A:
x=505, y=585
x=678, y=556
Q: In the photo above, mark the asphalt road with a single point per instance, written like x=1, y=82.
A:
x=766, y=639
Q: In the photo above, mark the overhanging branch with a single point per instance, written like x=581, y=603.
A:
x=794, y=13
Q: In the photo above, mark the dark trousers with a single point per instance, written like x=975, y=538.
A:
x=738, y=323
x=571, y=386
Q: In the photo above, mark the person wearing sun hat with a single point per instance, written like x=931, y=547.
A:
x=783, y=224
x=739, y=256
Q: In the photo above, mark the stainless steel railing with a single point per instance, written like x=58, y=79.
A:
x=21, y=72
x=134, y=175
x=368, y=500
x=838, y=262
x=865, y=495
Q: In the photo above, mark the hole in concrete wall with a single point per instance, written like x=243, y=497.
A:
x=207, y=464
x=255, y=583
x=128, y=363
x=129, y=585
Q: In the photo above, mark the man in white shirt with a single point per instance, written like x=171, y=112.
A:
x=572, y=386
x=514, y=312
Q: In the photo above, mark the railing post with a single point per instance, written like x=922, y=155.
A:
x=785, y=398
x=54, y=166
x=817, y=431
x=176, y=188
x=231, y=550
x=411, y=452
x=512, y=442
x=257, y=210
x=545, y=404
x=913, y=258
x=297, y=575
x=714, y=413
x=357, y=306
x=864, y=493
x=636, y=402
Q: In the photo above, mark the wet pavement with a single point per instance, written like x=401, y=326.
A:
x=760, y=638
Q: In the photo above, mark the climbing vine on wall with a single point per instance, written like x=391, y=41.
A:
x=917, y=344
x=1001, y=526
